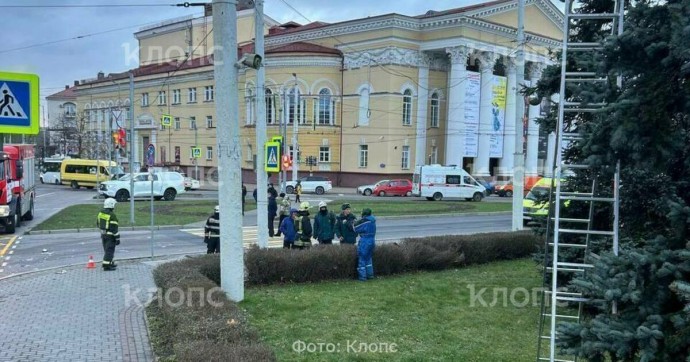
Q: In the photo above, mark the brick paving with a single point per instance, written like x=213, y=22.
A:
x=76, y=314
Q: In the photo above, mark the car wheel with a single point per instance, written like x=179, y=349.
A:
x=319, y=190
x=478, y=196
x=42, y=180
x=438, y=196
x=12, y=225
x=367, y=192
x=290, y=190
x=57, y=182
x=509, y=194
x=169, y=194
x=121, y=195
x=30, y=214
x=382, y=193
x=408, y=194
x=74, y=185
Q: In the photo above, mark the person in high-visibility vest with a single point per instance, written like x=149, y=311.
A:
x=303, y=224
x=110, y=236
x=298, y=191
x=212, y=232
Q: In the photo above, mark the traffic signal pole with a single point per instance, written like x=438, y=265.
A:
x=261, y=177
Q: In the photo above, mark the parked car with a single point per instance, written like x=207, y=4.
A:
x=366, y=190
x=190, y=183
x=507, y=189
x=399, y=187
x=488, y=185
x=166, y=185
x=317, y=184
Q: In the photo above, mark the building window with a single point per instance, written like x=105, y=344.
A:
x=295, y=107
x=70, y=109
x=192, y=122
x=363, y=156
x=177, y=154
x=434, y=110
x=434, y=155
x=176, y=96
x=364, y=112
x=163, y=155
x=249, y=105
x=209, y=153
x=208, y=93
x=407, y=108
x=144, y=99
x=177, y=123
x=405, y=162
x=191, y=95
x=269, y=107
x=324, y=154
x=325, y=111
x=299, y=154
x=162, y=98
x=209, y=121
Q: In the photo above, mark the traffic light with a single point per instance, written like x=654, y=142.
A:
x=116, y=139
x=123, y=137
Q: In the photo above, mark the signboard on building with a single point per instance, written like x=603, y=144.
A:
x=472, y=98
x=499, y=91
x=144, y=121
x=19, y=103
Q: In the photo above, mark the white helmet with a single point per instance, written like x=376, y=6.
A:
x=109, y=203
x=322, y=204
x=216, y=209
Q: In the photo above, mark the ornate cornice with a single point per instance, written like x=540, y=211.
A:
x=393, y=56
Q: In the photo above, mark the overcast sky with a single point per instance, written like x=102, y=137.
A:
x=86, y=40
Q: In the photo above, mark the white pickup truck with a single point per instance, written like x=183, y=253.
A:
x=166, y=185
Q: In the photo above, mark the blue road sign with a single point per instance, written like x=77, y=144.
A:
x=19, y=103
x=272, y=157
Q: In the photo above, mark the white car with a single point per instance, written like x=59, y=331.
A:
x=166, y=185
x=316, y=184
x=190, y=183
x=366, y=190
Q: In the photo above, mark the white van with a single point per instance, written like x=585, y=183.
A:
x=50, y=171
x=436, y=182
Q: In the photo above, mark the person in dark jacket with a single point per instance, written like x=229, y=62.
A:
x=345, y=226
x=110, y=235
x=272, y=190
x=244, y=194
x=288, y=229
x=254, y=194
x=304, y=229
x=366, y=229
x=212, y=232
x=283, y=209
x=272, y=212
x=324, y=225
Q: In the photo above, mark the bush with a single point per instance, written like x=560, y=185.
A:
x=207, y=328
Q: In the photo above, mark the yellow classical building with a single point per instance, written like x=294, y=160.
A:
x=372, y=97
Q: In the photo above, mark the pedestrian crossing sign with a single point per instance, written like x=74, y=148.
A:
x=196, y=152
x=272, y=157
x=19, y=103
x=166, y=120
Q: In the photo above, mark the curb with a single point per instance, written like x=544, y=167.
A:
x=427, y=216
x=93, y=230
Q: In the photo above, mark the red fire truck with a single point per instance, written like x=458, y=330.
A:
x=17, y=185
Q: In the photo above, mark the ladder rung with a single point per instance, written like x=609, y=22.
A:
x=576, y=193
x=577, y=44
x=586, y=79
x=575, y=265
x=573, y=299
x=566, y=293
x=569, y=219
x=590, y=232
x=555, y=360
x=577, y=104
x=567, y=245
x=575, y=166
x=593, y=16
x=582, y=110
x=587, y=198
x=580, y=74
x=561, y=316
x=571, y=136
x=567, y=270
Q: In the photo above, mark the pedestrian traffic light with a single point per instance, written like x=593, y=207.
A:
x=287, y=162
x=123, y=137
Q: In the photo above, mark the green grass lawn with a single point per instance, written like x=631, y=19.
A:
x=177, y=212
x=383, y=207
x=427, y=315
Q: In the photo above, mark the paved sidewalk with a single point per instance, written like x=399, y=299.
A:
x=76, y=314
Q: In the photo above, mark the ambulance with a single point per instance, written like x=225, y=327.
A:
x=436, y=182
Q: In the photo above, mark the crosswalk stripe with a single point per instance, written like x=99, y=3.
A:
x=249, y=234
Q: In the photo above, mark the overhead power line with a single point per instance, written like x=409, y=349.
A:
x=86, y=6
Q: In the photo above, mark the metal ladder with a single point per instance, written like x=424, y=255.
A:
x=561, y=301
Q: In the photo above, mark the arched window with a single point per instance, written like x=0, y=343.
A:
x=325, y=111
x=269, y=107
x=434, y=110
x=364, y=112
x=249, y=96
x=407, y=108
x=295, y=107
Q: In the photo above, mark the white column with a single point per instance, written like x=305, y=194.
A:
x=481, y=162
x=457, y=82
x=550, y=155
x=422, y=101
x=533, y=128
x=507, y=163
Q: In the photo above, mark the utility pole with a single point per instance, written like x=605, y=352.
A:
x=283, y=132
x=261, y=177
x=132, y=144
x=196, y=145
x=295, y=127
x=519, y=171
x=229, y=151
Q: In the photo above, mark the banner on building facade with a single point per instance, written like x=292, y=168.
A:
x=498, y=116
x=472, y=98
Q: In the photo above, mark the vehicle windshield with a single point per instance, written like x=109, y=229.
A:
x=381, y=182
x=115, y=170
x=538, y=194
x=124, y=178
x=51, y=167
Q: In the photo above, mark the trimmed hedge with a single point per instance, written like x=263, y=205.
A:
x=214, y=329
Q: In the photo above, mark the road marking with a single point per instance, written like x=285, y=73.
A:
x=4, y=264
x=7, y=258
x=4, y=250
x=11, y=252
x=50, y=193
x=249, y=236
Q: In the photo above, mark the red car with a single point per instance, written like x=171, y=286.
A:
x=394, y=187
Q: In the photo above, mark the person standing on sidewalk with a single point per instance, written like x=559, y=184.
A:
x=244, y=194
x=110, y=236
x=345, y=226
x=324, y=225
x=304, y=229
x=272, y=212
x=283, y=210
x=288, y=229
x=366, y=228
x=212, y=232
x=298, y=191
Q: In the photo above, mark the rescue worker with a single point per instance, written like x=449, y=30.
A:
x=298, y=191
x=288, y=229
x=107, y=223
x=272, y=212
x=283, y=210
x=212, y=232
x=345, y=226
x=272, y=190
x=366, y=229
x=304, y=230
x=324, y=225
